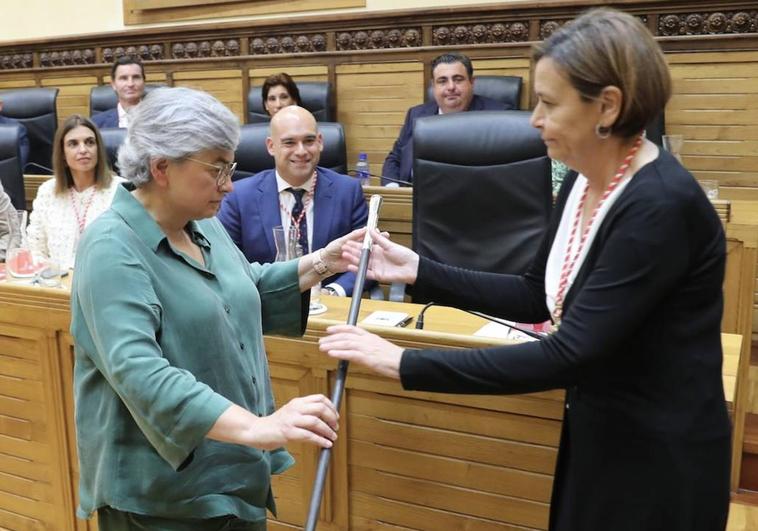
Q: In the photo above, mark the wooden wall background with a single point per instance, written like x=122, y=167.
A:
x=378, y=65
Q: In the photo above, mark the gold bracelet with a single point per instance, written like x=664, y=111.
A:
x=319, y=264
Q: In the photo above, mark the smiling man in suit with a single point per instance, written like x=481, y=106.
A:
x=128, y=80
x=453, y=89
x=322, y=204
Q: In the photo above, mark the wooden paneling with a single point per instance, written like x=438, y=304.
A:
x=715, y=106
x=73, y=95
x=153, y=11
x=33, y=482
x=226, y=85
x=373, y=100
x=298, y=73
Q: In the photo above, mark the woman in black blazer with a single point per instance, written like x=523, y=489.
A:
x=630, y=272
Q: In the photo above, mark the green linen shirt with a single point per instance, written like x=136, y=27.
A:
x=163, y=347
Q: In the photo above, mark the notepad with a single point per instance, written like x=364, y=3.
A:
x=382, y=318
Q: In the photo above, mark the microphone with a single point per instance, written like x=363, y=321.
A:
x=535, y=335
x=354, y=173
x=40, y=166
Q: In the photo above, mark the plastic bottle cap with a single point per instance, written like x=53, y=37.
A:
x=362, y=156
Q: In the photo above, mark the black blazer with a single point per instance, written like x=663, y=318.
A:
x=399, y=162
x=646, y=438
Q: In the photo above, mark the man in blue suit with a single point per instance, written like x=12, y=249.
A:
x=128, y=80
x=322, y=204
x=23, y=138
x=453, y=87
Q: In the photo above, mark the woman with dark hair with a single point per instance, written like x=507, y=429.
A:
x=630, y=272
x=81, y=190
x=279, y=91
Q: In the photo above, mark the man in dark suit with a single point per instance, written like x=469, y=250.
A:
x=23, y=138
x=128, y=80
x=322, y=204
x=453, y=86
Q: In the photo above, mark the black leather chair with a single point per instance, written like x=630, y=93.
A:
x=314, y=96
x=113, y=137
x=35, y=108
x=11, y=173
x=103, y=98
x=481, y=191
x=505, y=89
x=252, y=155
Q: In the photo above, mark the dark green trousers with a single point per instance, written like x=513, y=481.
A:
x=109, y=519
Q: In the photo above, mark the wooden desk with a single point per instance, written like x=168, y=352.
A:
x=418, y=460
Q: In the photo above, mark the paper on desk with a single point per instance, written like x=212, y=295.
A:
x=382, y=318
x=502, y=332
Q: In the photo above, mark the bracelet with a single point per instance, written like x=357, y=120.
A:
x=319, y=264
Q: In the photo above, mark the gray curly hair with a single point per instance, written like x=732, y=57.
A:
x=174, y=123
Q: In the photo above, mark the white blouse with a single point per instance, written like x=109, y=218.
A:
x=559, y=250
x=53, y=230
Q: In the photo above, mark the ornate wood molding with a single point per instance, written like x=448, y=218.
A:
x=518, y=22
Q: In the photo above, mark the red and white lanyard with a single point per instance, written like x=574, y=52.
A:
x=306, y=201
x=81, y=218
x=569, y=262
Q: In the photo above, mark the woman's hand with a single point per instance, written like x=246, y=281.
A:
x=390, y=262
x=333, y=255
x=351, y=343
x=311, y=419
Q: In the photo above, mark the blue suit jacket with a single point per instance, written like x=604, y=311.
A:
x=251, y=211
x=399, y=163
x=23, y=139
x=107, y=118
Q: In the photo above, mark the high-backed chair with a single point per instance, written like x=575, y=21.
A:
x=505, y=89
x=252, y=155
x=113, y=137
x=103, y=98
x=314, y=96
x=481, y=200
x=35, y=108
x=11, y=173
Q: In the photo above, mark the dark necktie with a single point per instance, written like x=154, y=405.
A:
x=296, y=212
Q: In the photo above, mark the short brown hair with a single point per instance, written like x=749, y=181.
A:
x=284, y=80
x=606, y=47
x=63, y=178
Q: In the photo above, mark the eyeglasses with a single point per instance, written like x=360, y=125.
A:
x=225, y=171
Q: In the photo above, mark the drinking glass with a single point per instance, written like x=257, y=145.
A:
x=711, y=188
x=19, y=261
x=673, y=144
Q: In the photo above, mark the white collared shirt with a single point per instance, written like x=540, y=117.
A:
x=123, y=116
x=287, y=200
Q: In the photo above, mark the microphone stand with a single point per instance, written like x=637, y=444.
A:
x=339, y=384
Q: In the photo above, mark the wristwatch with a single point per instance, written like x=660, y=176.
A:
x=328, y=290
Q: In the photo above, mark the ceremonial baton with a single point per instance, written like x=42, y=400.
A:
x=339, y=384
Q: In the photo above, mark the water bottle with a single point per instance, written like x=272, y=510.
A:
x=361, y=169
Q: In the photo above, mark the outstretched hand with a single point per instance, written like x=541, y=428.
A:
x=347, y=342
x=390, y=262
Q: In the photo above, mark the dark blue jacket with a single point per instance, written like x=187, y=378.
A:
x=399, y=163
x=251, y=211
x=107, y=118
x=23, y=139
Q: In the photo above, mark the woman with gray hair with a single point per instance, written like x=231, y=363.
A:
x=175, y=418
